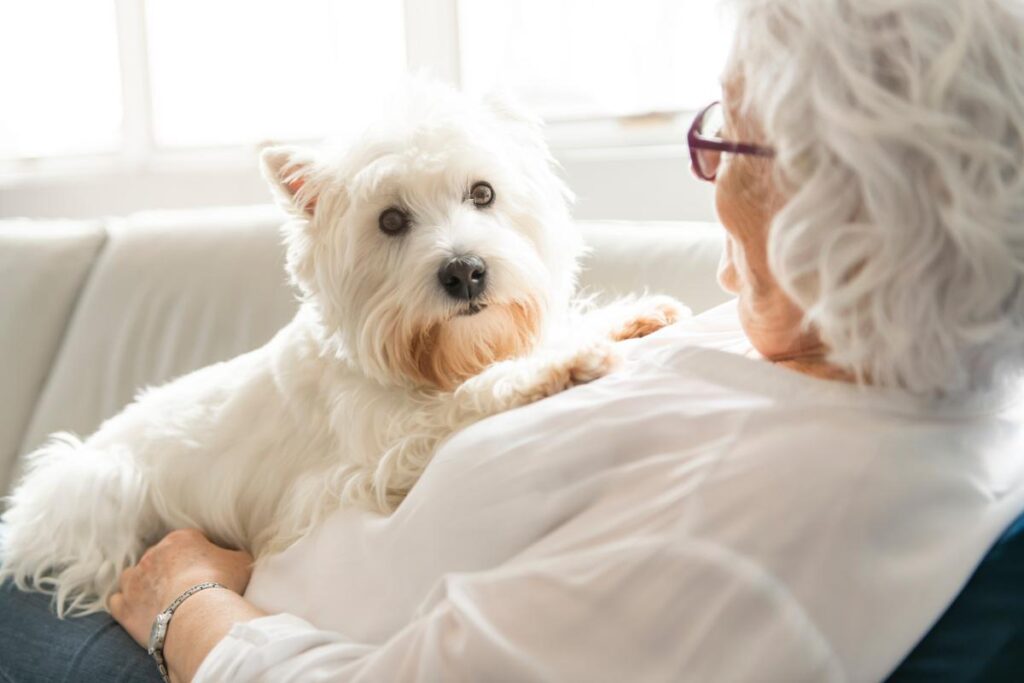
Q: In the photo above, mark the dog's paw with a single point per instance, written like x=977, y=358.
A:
x=591, y=362
x=648, y=315
x=580, y=366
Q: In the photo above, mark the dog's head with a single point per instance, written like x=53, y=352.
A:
x=437, y=244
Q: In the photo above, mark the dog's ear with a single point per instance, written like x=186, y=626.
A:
x=291, y=174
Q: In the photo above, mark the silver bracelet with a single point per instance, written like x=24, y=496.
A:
x=158, y=632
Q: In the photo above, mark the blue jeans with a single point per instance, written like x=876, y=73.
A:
x=37, y=647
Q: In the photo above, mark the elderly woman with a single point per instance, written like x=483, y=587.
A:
x=792, y=487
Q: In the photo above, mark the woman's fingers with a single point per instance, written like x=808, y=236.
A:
x=180, y=560
x=116, y=606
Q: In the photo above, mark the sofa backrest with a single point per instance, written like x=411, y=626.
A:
x=141, y=300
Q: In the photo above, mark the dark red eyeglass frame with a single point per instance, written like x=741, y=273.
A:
x=696, y=141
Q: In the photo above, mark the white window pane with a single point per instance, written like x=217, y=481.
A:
x=595, y=58
x=243, y=71
x=60, y=83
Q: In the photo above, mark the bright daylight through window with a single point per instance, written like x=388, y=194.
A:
x=306, y=68
x=60, y=78
x=572, y=59
x=295, y=70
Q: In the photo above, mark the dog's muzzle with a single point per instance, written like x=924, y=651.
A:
x=464, y=278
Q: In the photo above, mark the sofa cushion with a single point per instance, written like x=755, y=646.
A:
x=44, y=264
x=666, y=258
x=171, y=292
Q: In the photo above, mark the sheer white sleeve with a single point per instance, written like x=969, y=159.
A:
x=635, y=611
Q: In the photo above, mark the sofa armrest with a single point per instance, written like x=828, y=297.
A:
x=44, y=266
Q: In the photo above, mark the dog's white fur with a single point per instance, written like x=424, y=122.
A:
x=347, y=404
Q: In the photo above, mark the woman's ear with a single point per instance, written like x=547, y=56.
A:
x=290, y=171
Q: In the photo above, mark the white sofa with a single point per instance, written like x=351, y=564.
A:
x=91, y=311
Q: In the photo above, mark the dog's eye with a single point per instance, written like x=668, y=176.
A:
x=482, y=194
x=393, y=221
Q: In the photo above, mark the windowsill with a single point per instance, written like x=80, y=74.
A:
x=657, y=135
x=631, y=169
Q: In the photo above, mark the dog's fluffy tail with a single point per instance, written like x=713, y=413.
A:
x=75, y=522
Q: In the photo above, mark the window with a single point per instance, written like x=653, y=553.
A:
x=585, y=59
x=112, y=106
x=60, y=77
x=236, y=71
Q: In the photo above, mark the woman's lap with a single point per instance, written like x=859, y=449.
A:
x=37, y=646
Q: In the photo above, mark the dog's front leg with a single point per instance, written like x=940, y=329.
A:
x=514, y=383
x=503, y=386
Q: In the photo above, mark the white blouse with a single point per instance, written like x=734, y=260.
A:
x=698, y=515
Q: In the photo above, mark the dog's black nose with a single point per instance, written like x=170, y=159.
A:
x=464, y=277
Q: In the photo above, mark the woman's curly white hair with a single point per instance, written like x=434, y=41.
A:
x=899, y=127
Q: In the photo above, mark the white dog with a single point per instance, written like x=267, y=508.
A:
x=436, y=262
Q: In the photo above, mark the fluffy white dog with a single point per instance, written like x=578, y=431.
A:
x=436, y=262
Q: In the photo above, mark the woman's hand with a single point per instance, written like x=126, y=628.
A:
x=181, y=560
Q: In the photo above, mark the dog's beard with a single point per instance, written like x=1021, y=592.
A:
x=445, y=353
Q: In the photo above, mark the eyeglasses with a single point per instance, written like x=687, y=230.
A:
x=706, y=147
